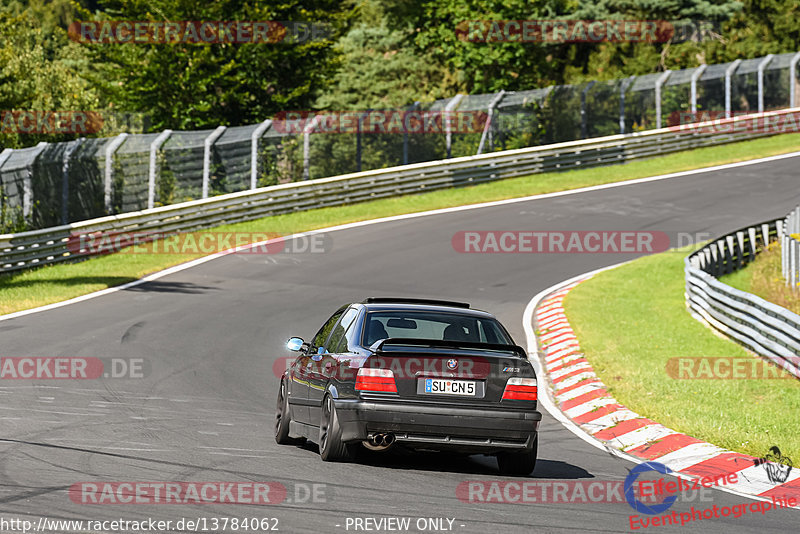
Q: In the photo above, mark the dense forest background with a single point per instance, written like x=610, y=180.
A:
x=381, y=54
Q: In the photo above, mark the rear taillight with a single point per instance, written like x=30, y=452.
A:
x=375, y=380
x=520, y=389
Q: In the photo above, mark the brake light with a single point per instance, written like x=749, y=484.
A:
x=375, y=380
x=520, y=389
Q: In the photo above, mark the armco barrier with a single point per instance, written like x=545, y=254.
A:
x=790, y=250
x=767, y=329
x=49, y=245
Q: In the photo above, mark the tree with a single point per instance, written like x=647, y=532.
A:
x=193, y=86
x=381, y=71
x=40, y=70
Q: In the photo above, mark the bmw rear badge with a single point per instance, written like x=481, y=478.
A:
x=452, y=364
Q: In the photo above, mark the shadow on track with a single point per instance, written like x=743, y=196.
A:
x=171, y=287
x=445, y=462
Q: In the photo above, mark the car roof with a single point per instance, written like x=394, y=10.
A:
x=402, y=306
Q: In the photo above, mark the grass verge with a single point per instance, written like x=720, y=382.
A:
x=762, y=277
x=60, y=282
x=632, y=320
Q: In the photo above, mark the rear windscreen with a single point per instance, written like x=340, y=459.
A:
x=432, y=325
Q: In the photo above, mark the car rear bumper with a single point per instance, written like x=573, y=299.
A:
x=439, y=427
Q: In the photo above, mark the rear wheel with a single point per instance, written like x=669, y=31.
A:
x=331, y=447
x=518, y=463
x=283, y=418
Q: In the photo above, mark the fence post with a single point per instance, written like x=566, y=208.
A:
x=740, y=241
x=358, y=141
x=584, y=125
x=761, y=67
x=111, y=149
x=71, y=147
x=696, y=76
x=623, y=88
x=784, y=244
x=254, y=138
x=728, y=74
x=4, y=155
x=412, y=108
x=659, y=83
x=782, y=228
x=796, y=247
x=793, y=101
x=151, y=182
x=447, y=125
x=789, y=258
x=489, y=116
x=208, y=143
x=307, y=146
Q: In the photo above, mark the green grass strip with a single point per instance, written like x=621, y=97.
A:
x=632, y=320
x=763, y=277
x=60, y=282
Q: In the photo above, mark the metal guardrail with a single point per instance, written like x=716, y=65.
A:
x=39, y=247
x=769, y=330
x=790, y=250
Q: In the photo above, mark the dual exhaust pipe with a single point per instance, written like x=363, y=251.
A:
x=379, y=442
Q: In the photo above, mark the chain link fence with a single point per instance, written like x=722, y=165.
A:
x=59, y=183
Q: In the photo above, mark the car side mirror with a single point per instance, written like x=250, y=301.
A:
x=295, y=343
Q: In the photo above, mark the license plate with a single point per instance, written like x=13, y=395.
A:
x=443, y=386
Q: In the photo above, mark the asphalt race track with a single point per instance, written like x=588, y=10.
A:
x=210, y=335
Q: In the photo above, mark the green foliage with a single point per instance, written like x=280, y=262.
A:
x=487, y=67
x=40, y=70
x=381, y=72
x=167, y=184
x=195, y=86
x=673, y=10
x=384, y=54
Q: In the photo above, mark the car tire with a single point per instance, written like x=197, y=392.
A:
x=331, y=446
x=283, y=418
x=518, y=463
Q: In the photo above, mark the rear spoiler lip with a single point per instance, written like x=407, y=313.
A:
x=516, y=349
